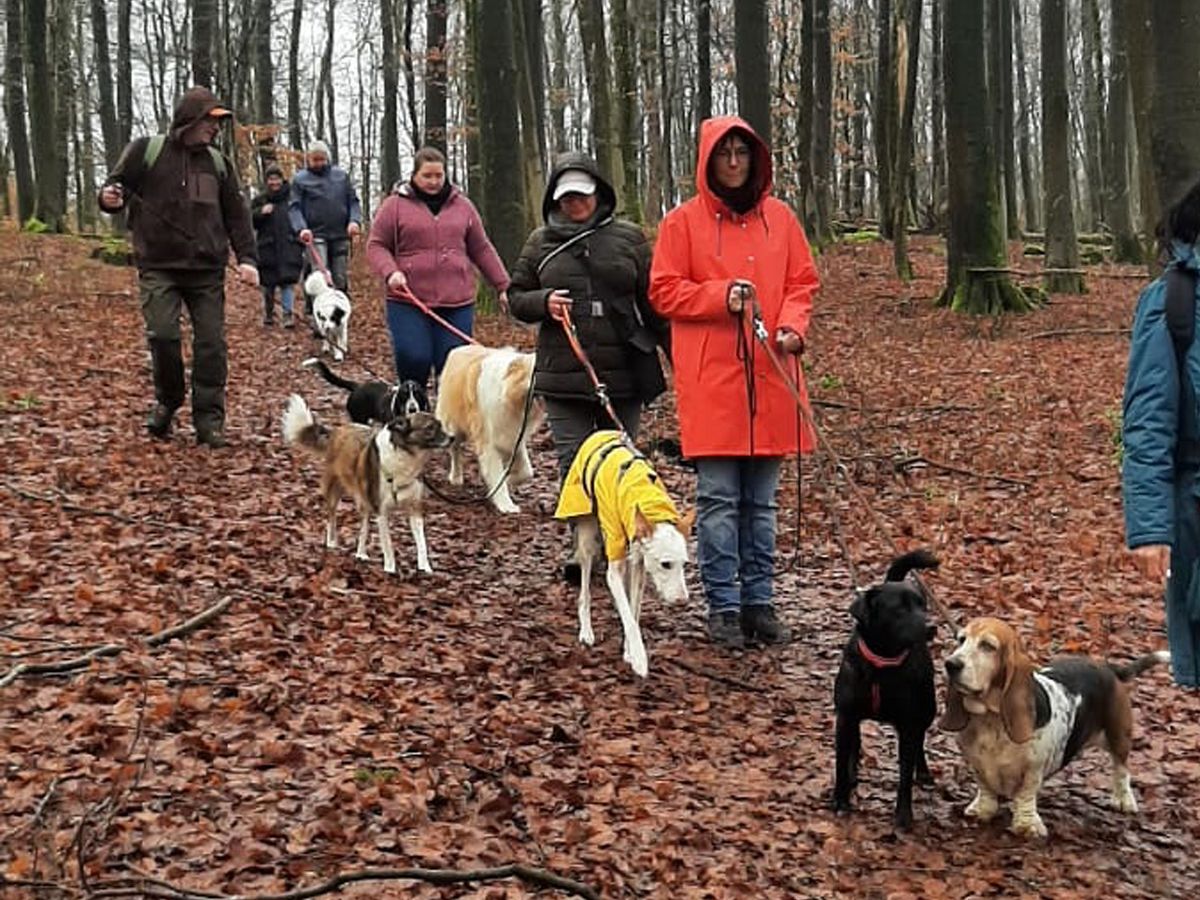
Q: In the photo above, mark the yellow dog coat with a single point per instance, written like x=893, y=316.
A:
x=612, y=481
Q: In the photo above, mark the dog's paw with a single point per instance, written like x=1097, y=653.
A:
x=425, y=567
x=508, y=509
x=842, y=806
x=586, y=636
x=362, y=555
x=1124, y=800
x=983, y=808
x=639, y=663
x=902, y=820
x=1028, y=826
x=389, y=569
x=331, y=543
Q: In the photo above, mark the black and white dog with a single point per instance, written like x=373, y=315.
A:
x=374, y=401
x=887, y=675
x=331, y=315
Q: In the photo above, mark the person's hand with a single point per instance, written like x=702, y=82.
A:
x=789, y=341
x=740, y=293
x=112, y=197
x=353, y=229
x=248, y=274
x=396, y=282
x=267, y=209
x=306, y=236
x=1153, y=561
x=502, y=299
x=558, y=305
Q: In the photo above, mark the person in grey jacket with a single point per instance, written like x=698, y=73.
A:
x=325, y=212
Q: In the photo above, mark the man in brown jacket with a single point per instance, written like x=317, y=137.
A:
x=185, y=208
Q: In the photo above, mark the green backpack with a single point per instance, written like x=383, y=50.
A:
x=154, y=148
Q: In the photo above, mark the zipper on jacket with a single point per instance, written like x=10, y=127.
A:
x=719, y=217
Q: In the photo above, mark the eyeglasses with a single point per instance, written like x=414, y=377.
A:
x=732, y=153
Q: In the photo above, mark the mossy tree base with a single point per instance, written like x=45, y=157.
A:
x=988, y=295
x=1064, y=283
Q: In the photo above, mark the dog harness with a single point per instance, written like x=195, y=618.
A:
x=878, y=662
x=612, y=481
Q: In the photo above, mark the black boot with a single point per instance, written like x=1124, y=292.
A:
x=158, y=423
x=724, y=630
x=166, y=358
x=760, y=624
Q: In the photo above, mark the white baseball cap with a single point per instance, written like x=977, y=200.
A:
x=574, y=181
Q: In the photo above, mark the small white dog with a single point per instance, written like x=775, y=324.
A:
x=612, y=490
x=331, y=315
x=481, y=401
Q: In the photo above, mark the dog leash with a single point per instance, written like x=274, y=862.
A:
x=792, y=386
x=407, y=294
x=600, y=388
x=310, y=245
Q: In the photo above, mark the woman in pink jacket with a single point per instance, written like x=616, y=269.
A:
x=427, y=239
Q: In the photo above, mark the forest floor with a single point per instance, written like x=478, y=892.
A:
x=332, y=719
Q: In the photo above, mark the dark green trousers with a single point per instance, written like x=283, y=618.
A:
x=164, y=293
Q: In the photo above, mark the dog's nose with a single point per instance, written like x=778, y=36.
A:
x=954, y=666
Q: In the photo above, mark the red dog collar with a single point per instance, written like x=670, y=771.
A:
x=878, y=662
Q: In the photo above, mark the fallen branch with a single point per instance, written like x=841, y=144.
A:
x=152, y=887
x=714, y=676
x=85, y=660
x=1070, y=332
x=909, y=462
x=70, y=506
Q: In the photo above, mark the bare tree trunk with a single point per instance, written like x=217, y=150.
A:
x=471, y=94
x=648, y=31
x=668, y=166
x=530, y=157
x=124, y=74
x=977, y=257
x=42, y=115
x=1025, y=125
x=535, y=45
x=264, y=67
x=558, y=79
x=104, y=83
x=908, y=54
x=1062, y=246
x=752, y=64
x=295, y=118
x=389, y=136
x=410, y=77
x=1140, y=42
x=822, y=128
x=14, y=108
x=204, y=23
x=937, y=145
x=1117, y=209
x=327, y=68
x=83, y=141
x=1092, y=73
x=595, y=53
x=704, y=59
x=627, y=107
x=883, y=116
x=1176, y=108
x=61, y=32
x=503, y=194
x=435, y=74
x=1002, y=61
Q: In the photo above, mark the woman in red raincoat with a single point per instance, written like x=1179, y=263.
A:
x=734, y=247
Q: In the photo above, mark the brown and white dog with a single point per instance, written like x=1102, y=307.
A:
x=1018, y=724
x=482, y=398
x=379, y=468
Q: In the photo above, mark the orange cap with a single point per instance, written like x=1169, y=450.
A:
x=220, y=112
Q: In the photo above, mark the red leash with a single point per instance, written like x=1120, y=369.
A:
x=601, y=389
x=424, y=307
x=320, y=263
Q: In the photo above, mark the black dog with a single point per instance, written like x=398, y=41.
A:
x=375, y=401
x=887, y=675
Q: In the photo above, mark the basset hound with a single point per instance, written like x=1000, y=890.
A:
x=1018, y=724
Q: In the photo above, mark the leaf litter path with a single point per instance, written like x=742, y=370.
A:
x=333, y=719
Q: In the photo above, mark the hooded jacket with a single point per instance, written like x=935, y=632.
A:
x=183, y=213
x=702, y=247
x=606, y=273
x=280, y=256
x=437, y=254
x=324, y=202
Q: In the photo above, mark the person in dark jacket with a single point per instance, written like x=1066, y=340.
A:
x=280, y=257
x=185, y=208
x=1160, y=469
x=596, y=267
x=325, y=212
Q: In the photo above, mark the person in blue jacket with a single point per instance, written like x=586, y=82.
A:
x=1161, y=432
x=325, y=212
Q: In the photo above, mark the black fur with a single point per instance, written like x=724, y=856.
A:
x=375, y=401
x=890, y=618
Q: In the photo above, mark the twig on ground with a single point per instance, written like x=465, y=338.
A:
x=714, y=676
x=38, y=811
x=84, y=661
x=153, y=887
x=1071, y=332
x=910, y=461
x=59, y=498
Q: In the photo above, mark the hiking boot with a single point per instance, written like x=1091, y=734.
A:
x=724, y=630
x=760, y=624
x=288, y=320
x=211, y=437
x=158, y=423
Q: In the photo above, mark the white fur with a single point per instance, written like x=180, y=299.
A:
x=296, y=417
x=662, y=554
x=326, y=300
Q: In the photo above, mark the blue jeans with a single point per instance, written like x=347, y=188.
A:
x=286, y=297
x=419, y=343
x=735, y=529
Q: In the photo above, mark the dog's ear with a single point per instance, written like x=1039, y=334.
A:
x=641, y=525
x=860, y=609
x=1017, y=709
x=686, y=522
x=955, y=716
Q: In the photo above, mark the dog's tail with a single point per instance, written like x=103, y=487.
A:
x=328, y=374
x=1140, y=665
x=917, y=559
x=300, y=428
x=315, y=284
